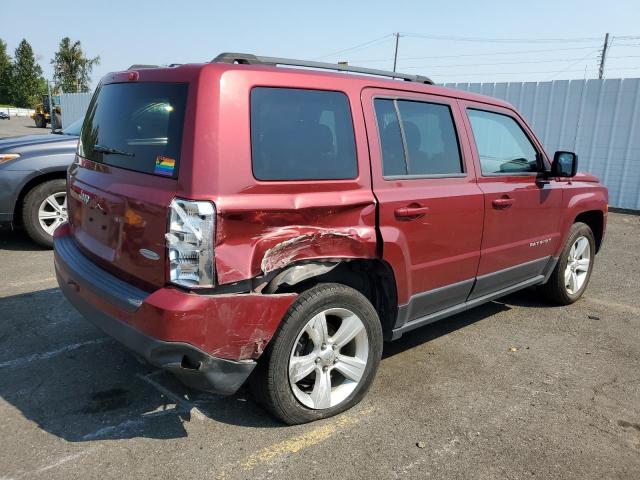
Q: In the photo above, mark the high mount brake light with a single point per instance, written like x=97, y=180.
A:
x=190, y=243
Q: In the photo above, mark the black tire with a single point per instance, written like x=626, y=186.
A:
x=270, y=381
x=555, y=289
x=31, y=205
x=40, y=121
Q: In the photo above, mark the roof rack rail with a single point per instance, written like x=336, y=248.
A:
x=249, y=59
x=137, y=66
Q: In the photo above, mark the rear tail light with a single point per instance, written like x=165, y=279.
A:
x=190, y=243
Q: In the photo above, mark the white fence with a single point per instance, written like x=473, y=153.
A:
x=17, y=112
x=73, y=106
x=597, y=119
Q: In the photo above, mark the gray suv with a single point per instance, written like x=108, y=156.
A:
x=33, y=190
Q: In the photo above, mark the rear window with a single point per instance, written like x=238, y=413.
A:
x=136, y=126
x=299, y=134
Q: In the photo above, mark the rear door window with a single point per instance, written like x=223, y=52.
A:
x=417, y=139
x=136, y=126
x=299, y=134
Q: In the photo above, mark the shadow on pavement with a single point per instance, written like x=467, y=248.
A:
x=17, y=240
x=430, y=332
x=64, y=375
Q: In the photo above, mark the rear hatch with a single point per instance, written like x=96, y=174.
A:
x=125, y=176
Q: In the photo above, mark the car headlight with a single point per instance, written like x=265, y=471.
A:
x=5, y=157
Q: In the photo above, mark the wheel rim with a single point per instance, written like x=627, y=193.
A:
x=329, y=358
x=53, y=211
x=578, y=264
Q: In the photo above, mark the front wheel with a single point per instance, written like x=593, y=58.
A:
x=41, y=122
x=569, y=279
x=44, y=209
x=323, y=358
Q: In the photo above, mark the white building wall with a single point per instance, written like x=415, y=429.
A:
x=73, y=106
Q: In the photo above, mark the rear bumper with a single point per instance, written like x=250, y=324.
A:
x=210, y=342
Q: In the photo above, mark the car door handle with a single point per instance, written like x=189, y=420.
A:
x=502, y=203
x=411, y=212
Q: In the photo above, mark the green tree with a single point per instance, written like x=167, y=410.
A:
x=26, y=77
x=71, y=68
x=5, y=74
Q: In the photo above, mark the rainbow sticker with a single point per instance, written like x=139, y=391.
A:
x=164, y=166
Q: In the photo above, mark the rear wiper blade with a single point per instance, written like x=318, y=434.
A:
x=109, y=150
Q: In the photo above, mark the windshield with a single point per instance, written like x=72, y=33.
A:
x=73, y=128
x=136, y=126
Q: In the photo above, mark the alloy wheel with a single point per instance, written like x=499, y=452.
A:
x=578, y=262
x=329, y=358
x=53, y=211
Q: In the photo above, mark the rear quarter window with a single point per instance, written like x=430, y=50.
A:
x=299, y=134
x=136, y=126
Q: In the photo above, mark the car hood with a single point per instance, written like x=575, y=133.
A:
x=30, y=143
x=586, y=177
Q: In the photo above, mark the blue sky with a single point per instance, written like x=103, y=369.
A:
x=556, y=39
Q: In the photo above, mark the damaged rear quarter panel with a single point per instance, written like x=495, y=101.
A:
x=253, y=241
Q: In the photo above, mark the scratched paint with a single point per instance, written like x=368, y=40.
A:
x=250, y=243
x=348, y=244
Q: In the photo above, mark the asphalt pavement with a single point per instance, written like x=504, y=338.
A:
x=19, y=126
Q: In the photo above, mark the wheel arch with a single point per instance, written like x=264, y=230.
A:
x=30, y=185
x=595, y=220
x=373, y=278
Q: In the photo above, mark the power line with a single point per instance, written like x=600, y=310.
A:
x=500, y=40
x=592, y=69
x=628, y=37
x=481, y=54
x=511, y=73
x=356, y=47
x=572, y=64
x=618, y=44
x=511, y=63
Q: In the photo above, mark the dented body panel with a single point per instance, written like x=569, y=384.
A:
x=258, y=242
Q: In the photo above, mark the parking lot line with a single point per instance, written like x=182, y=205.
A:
x=300, y=442
x=61, y=461
x=18, y=362
x=10, y=285
x=184, y=404
x=125, y=426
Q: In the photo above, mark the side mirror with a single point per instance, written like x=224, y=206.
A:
x=565, y=164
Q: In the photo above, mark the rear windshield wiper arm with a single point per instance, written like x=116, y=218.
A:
x=109, y=150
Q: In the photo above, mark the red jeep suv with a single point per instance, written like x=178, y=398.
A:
x=242, y=219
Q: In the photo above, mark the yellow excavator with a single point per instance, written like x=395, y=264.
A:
x=42, y=114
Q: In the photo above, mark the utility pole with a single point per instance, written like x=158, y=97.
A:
x=395, y=56
x=603, y=57
x=52, y=113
